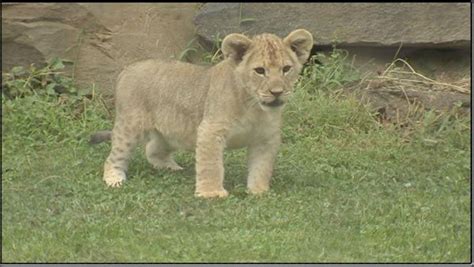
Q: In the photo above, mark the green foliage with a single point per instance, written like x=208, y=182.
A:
x=328, y=72
x=211, y=56
x=344, y=189
x=214, y=55
x=46, y=80
x=188, y=51
x=44, y=104
x=243, y=20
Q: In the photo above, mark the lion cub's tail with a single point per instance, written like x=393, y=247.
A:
x=100, y=137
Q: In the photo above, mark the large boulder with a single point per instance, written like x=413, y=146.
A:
x=99, y=38
x=32, y=33
x=354, y=24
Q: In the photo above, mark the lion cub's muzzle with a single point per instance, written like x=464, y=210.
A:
x=276, y=98
x=275, y=103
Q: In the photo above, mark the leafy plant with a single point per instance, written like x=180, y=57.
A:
x=49, y=79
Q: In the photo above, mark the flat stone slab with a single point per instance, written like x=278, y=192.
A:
x=361, y=24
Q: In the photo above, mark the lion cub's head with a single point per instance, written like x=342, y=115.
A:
x=267, y=65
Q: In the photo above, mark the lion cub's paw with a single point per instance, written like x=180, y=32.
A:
x=175, y=167
x=212, y=194
x=257, y=190
x=171, y=165
x=115, y=180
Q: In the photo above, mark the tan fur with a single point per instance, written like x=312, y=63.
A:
x=176, y=105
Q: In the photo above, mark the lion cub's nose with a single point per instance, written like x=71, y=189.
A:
x=276, y=92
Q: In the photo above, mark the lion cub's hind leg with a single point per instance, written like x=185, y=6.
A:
x=159, y=153
x=124, y=139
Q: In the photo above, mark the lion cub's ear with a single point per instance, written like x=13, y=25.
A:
x=301, y=42
x=235, y=45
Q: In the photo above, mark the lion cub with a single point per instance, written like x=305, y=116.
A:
x=236, y=103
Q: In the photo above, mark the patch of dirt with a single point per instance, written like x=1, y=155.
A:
x=400, y=94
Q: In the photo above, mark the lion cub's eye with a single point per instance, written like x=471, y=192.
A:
x=286, y=69
x=260, y=70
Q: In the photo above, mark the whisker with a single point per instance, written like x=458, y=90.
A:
x=251, y=101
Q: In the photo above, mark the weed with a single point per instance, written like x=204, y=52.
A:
x=214, y=55
x=210, y=56
x=328, y=72
x=243, y=20
x=188, y=51
x=48, y=80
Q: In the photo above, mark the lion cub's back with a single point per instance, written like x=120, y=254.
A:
x=168, y=95
x=163, y=76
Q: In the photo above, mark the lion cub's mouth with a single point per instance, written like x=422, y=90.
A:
x=275, y=103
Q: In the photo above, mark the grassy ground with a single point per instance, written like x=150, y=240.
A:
x=344, y=190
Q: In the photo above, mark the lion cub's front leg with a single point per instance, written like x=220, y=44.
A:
x=209, y=161
x=260, y=163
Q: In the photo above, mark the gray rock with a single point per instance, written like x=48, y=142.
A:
x=361, y=24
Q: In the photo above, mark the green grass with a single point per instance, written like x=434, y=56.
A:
x=345, y=189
